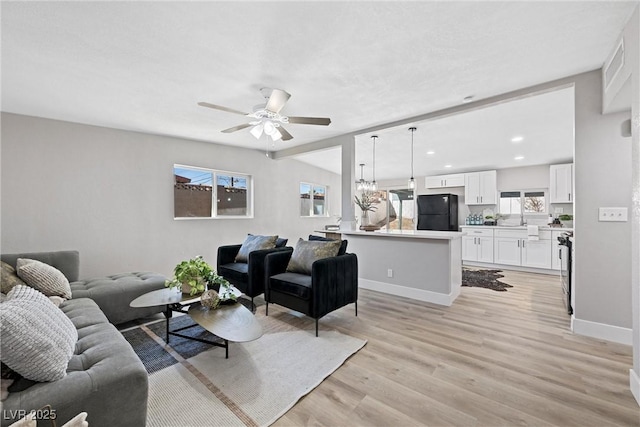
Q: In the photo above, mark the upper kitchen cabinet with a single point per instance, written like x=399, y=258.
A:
x=561, y=183
x=480, y=188
x=444, y=181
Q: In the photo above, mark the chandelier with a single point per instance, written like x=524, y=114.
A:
x=361, y=184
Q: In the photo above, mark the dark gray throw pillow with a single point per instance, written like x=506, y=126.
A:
x=343, y=243
x=306, y=253
x=281, y=242
x=255, y=243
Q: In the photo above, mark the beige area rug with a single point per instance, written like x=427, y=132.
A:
x=259, y=382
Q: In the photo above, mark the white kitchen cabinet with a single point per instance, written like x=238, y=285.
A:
x=480, y=188
x=444, y=181
x=507, y=251
x=513, y=247
x=477, y=245
x=561, y=183
x=536, y=253
x=555, y=250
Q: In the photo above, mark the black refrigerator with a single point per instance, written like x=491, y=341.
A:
x=438, y=212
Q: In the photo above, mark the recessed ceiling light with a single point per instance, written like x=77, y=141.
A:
x=467, y=99
x=431, y=152
x=519, y=157
x=517, y=139
x=447, y=166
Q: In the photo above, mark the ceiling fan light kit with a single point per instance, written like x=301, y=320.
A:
x=269, y=121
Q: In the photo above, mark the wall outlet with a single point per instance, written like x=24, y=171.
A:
x=558, y=210
x=389, y=273
x=613, y=214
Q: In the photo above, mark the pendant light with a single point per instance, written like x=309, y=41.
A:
x=374, y=184
x=412, y=182
x=361, y=184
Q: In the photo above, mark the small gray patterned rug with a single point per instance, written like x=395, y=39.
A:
x=484, y=279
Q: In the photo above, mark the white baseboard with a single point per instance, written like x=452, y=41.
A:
x=602, y=331
x=511, y=267
x=634, y=382
x=413, y=293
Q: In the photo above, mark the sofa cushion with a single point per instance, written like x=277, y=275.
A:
x=9, y=278
x=114, y=294
x=343, y=243
x=104, y=377
x=298, y=285
x=43, y=277
x=255, y=243
x=68, y=262
x=38, y=340
x=306, y=253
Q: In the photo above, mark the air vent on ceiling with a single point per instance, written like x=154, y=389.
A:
x=615, y=64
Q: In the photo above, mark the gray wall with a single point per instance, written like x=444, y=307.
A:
x=632, y=36
x=109, y=194
x=602, y=172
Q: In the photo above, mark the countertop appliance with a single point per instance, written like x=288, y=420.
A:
x=566, y=248
x=438, y=212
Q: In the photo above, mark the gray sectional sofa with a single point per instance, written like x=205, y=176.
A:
x=105, y=378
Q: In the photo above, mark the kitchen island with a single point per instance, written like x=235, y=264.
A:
x=423, y=265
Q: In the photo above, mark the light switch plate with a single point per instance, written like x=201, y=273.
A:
x=558, y=210
x=613, y=214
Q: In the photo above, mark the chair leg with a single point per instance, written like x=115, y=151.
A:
x=356, y=308
x=316, y=328
x=253, y=306
x=266, y=313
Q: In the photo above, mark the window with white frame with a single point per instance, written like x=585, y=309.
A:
x=196, y=196
x=313, y=199
x=517, y=202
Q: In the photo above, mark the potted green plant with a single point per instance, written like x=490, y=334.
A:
x=566, y=220
x=195, y=276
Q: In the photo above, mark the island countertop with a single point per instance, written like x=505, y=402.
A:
x=410, y=234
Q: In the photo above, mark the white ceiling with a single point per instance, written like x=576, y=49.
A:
x=143, y=66
x=476, y=140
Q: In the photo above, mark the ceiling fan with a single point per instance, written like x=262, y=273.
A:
x=267, y=117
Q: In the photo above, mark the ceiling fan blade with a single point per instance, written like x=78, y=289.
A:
x=277, y=99
x=323, y=121
x=219, y=107
x=285, y=135
x=236, y=128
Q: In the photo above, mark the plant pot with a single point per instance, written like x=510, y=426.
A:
x=365, y=223
x=186, y=289
x=364, y=219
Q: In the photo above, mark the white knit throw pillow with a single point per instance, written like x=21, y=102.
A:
x=38, y=339
x=43, y=277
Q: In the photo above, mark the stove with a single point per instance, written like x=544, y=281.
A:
x=566, y=248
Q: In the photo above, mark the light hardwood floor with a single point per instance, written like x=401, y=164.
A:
x=493, y=358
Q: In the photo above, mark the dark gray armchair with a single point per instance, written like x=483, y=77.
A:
x=333, y=283
x=248, y=277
